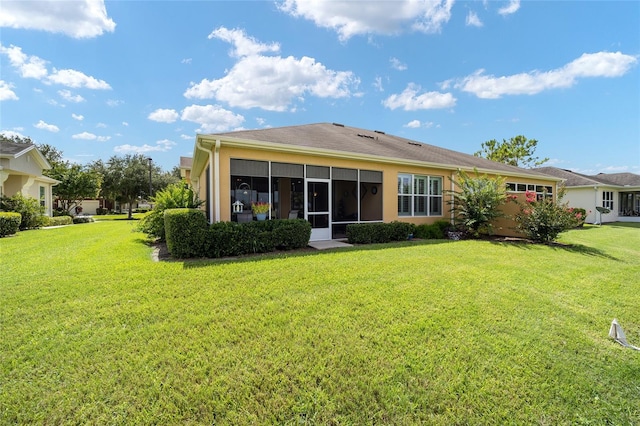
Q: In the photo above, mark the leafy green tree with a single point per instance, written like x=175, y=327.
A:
x=517, y=151
x=76, y=184
x=477, y=202
x=125, y=179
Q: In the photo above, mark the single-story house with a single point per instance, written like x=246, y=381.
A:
x=333, y=175
x=21, y=167
x=619, y=193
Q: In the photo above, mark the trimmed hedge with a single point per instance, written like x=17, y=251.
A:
x=185, y=231
x=434, y=231
x=189, y=235
x=372, y=233
x=83, y=219
x=9, y=223
x=60, y=220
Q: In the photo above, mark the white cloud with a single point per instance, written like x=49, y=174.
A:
x=473, y=20
x=410, y=100
x=396, y=64
x=377, y=84
x=186, y=137
x=78, y=19
x=160, y=146
x=512, y=7
x=416, y=124
x=601, y=64
x=12, y=133
x=77, y=117
x=68, y=96
x=350, y=18
x=101, y=126
x=90, y=137
x=48, y=127
x=164, y=115
x=114, y=103
x=6, y=92
x=211, y=118
x=243, y=44
x=271, y=82
x=75, y=79
x=186, y=61
x=125, y=124
x=27, y=65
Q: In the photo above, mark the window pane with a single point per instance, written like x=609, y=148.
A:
x=404, y=205
x=420, y=185
x=435, y=186
x=404, y=184
x=435, y=206
x=420, y=206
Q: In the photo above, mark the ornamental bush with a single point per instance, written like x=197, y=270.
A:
x=175, y=196
x=378, y=232
x=30, y=210
x=186, y=230
x=59, y=221
x=541, y=219
x=477, y=202
x=434, y=231
x=9, y=223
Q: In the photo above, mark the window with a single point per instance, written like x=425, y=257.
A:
x=607, y=199
x=419, y=195
x=540, y=190
x=42, y=196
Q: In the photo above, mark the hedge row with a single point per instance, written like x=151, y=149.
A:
x=189, y=235
x=378, y=232
x=60, y=220
x=9, y=223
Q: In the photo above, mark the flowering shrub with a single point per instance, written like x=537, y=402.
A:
x=579, y=215
x=260, y=207
x=543, y=219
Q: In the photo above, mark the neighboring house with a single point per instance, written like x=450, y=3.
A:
x=617, y=192
x=333, y=175
x=21, y=167
x=185, y=168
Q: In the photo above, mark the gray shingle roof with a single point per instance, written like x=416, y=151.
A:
x=578, y=179
x=13, y=148
x=347, y=139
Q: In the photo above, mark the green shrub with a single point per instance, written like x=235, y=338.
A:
x=579, y=215
x=60, y=212
x=60, y=220
x=477, y=202
x=9, y=223
x=186, y=232
x=542, y=220
x=290, y=234
x=101, y=211
x=372, y=233
x=30, y=210
x=174, y=196
x=83, y=219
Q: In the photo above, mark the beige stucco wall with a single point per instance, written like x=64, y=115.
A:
x=388, y=191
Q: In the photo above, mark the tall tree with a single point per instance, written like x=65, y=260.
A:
x=76, y=184
x=517, y=151
x=125, y=179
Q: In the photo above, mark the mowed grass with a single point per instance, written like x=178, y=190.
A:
x=92, y=331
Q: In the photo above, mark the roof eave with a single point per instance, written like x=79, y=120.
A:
x=210, y=141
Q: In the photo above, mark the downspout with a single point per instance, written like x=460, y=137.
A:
x=209, y=198
x=216, y=178
x=451, y=211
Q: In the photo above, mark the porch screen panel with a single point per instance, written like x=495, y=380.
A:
x=344, y=174
x=370, y=176
x=287, y=170
x=249, y=168
x=317, y=172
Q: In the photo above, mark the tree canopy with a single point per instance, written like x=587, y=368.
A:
x=517, y=151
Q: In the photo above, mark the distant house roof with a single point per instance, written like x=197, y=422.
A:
x=14, y=150
x=573, y=179
x=186, y=162
x=372, y=143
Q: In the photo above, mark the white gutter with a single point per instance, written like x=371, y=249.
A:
x=216, y=179
x=209, y=198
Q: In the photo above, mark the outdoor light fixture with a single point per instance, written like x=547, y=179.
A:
x=238, y=207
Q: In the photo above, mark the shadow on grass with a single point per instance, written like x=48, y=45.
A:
x=573, y=248
x=623, y=224
x=163, y=254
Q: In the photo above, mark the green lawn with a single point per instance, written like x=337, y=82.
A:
x=92, y=331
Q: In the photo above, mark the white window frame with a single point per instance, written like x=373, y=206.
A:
x=607, y=200
x=413, y=187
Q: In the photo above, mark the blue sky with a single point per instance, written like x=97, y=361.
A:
x=97, y=79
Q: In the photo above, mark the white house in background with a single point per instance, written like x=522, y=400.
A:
x=21, y=167
x=617, y=192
